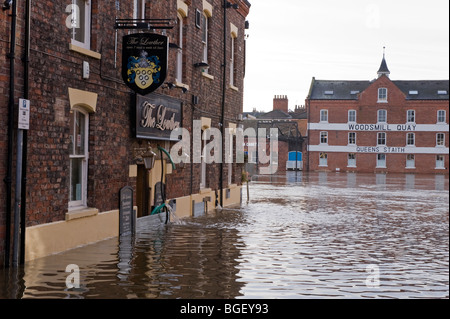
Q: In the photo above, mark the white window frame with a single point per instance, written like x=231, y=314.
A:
x=205, y=37
x=86, y=27
x=382, y=95
x=324, y=116
x=410, y=161
x=381, y=136
x=411, y=116
x=441, y=117
x=381, y=160
x=440, y=140
x=352, y=116
x=410, y=141
x=380, y=115
x=352, y=138
x=351, y=162
x=139, y=7
x=324, y=138
x=179, y=67
x=323, y=159
x=440, y=162
x=232, y=60
x=85, y=159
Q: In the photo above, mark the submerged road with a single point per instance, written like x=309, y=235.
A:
x=316, y=235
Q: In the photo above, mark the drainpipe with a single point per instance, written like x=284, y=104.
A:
x=8, y=179
x=26, y=88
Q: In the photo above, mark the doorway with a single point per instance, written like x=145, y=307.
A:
x=143, y=191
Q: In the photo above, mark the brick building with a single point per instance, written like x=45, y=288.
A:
x=82, y=147
x=381, y=126
x=291, y=127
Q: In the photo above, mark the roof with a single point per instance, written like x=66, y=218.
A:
x=424, y=90
x=383, y=67
x=348, y=90
x=337, y=90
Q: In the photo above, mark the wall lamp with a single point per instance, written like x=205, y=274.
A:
x=149, y=159
x=7, y=5
x=171, y=86
x=201, y=65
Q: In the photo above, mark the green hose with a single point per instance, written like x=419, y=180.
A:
x=168, y=155
x=157, y=210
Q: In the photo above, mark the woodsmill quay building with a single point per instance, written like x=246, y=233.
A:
x=379, y=126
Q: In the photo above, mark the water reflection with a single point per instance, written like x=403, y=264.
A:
x=301, y=236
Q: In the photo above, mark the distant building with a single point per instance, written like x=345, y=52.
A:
x=380, y=126
x=292, y=129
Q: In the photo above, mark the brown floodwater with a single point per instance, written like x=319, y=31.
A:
x=302, y=235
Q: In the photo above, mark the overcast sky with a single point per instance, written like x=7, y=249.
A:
x=291, y=41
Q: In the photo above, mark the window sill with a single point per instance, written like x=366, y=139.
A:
x=84, y=51
x=440, y=168
x=234, y=88
x=82, y=212
x=205, y=190
x=208, y=76
x=181, y=85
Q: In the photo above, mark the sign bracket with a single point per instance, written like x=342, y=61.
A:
x=144, y=24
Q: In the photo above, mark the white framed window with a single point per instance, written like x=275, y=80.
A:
x=323, y=159
x=351, y=160
x=323, y=137
x=410, y=139
x=382, y=116
x=381, y=160
x=410, y=161
x=352, y=116
x=381, y=138
x=139, y=9
x=440, y=139
x=233, y=60
x=205, y=37
x=81, y=23
x=180, y=38
x=323, y=115
x=79, y=153
x=382, y=95
x=441, y=116
x=352, y=138
x=411, y=116
x=440, y=162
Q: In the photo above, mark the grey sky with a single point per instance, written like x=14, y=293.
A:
x=290, y=41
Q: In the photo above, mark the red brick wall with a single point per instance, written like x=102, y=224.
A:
x=54, y=68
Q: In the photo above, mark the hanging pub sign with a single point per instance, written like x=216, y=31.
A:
x=156, y=116
x=144, y=61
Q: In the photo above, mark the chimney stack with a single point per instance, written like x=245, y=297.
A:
x=281, y=103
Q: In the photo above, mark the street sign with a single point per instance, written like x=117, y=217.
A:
x=24, y=114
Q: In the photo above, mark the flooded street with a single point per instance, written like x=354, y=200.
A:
x=302, y=235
